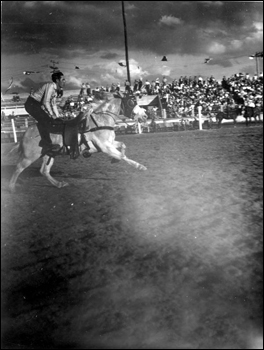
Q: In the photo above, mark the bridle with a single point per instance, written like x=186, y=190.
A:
x=111, y=114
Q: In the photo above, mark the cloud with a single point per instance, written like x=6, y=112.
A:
x=109, y=55
x=108, y=79
x=220, y=62
x=118, y=72
x=30, y=4
x=164, y=70
x=74, y=81
x=258, y=26
x=170, y=21
x=90, y=34
x=129, y=7
x=212, y=3
x=216, y=48
x=236, y=44
x=28, y=83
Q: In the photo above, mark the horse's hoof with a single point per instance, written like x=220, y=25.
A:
x=12, y=189
x=86, y=154
x=63, y=184
x=142, y=167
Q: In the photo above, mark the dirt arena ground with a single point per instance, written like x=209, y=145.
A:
x=169, y=258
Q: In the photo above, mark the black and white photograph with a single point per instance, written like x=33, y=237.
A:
x=132, y=175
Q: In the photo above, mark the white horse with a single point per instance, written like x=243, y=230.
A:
x=98, y=136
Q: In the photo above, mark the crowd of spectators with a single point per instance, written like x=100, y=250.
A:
x=181, y=97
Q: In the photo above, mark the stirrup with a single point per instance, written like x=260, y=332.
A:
x=54, y=147
x=86, y=153
x=56, y=151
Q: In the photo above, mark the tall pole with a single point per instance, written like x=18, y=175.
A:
x=127, y=62
x=257, y=65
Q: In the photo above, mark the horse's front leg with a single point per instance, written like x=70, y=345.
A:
x=110, y=149
x=45, y=171
x=121, y=145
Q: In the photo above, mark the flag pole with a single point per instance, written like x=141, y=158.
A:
x=125, y=32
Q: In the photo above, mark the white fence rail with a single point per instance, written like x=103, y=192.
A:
x=15, y=110
x=14, y=129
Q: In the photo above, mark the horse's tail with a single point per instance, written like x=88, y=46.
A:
x=18, y=147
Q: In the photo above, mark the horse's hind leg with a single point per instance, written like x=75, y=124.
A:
x=23, y=164
x=45, y=171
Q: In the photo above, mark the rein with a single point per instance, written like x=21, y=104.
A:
x=110, y=113
x=97, y=127
x=101, y=128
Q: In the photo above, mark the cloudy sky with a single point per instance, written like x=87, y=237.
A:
x=90, y=35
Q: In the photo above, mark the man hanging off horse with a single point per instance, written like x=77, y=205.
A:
x=41, y=105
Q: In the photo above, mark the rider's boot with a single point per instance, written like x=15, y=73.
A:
x=45, y=142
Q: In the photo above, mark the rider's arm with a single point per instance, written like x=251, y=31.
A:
x=49, y=100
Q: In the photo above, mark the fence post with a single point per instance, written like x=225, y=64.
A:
x=200, y=117
x=26, y=122
x=14, y=129
x=193, y=115
x=139, y=128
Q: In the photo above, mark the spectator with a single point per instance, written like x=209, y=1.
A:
x=127, y=86
x=81, y=94
x=12, y=116
x=135, y=86
x=88, y=89
x=147, y=86
x=140, y=83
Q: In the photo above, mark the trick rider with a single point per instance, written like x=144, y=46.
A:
x=41, y=105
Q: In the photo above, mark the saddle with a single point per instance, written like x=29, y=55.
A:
x=69, y=130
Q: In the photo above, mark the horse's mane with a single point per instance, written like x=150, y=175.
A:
x=101, y=104
x=103, y=95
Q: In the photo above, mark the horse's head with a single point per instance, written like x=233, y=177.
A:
x=118, y=94
x=129, y=101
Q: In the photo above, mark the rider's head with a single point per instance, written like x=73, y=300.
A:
x=58, y=78
x=56, y=75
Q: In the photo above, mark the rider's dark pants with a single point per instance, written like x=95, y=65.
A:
x=34, y=109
